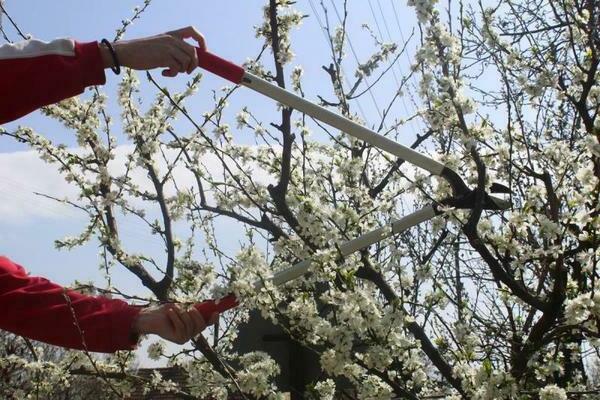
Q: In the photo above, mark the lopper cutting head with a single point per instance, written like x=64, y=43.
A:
x=466, y=198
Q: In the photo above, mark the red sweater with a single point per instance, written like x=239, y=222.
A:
x=39, y=309
x=34, y=74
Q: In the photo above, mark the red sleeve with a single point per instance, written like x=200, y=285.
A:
x=35, y=73
x=38, y=309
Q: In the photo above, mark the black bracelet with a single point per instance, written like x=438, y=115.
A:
x=116, y=68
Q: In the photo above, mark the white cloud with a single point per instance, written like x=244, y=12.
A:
x=22, y=174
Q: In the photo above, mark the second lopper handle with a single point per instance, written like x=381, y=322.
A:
x=209, y=307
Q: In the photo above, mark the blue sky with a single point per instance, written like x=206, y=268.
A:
x=29, y=224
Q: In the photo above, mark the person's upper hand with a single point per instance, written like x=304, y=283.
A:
x=168, y=50
x=172, y=322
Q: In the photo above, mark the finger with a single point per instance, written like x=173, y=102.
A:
x=188, y=322
x=169, y=72
x=199, y=323
x=191, y=32
x=173, y=68
x=178, y=326
x=189, y=53
x=213, y=319
x=180, y=58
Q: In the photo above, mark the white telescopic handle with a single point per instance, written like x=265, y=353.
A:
x=291, y=100
x=349, y=247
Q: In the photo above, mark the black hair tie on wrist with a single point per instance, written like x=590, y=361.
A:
x=117, y=65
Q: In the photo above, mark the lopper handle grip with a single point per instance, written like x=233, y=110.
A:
x=219, y=66
x=209, y=307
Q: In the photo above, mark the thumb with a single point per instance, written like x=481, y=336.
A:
x=213, y=319
x=169, y=73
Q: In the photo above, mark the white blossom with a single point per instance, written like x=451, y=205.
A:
x=552, y=392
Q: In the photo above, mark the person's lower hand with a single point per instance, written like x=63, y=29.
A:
x=168, y=50
x=173, y=322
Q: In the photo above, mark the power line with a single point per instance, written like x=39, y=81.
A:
x=389, y=35
x=2, y=26
x=410, y=61
x=327, y=39
x=381, y=34
x=3, y=32
x=13, y=23
x=358, y=62
x=398, y=23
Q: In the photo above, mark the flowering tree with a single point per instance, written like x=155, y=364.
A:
x=476, y=305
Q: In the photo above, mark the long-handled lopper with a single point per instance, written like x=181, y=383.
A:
x=462, y=196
